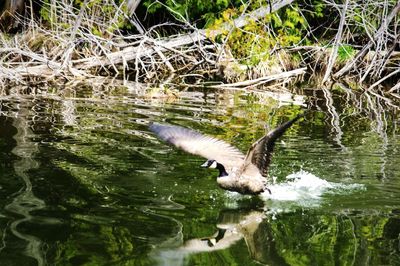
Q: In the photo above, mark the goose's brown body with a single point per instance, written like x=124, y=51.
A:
x=243, y=184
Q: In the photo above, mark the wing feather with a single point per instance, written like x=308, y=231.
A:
x=198, y=144
x=260, y=153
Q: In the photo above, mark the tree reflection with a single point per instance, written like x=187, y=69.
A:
x=24, y=201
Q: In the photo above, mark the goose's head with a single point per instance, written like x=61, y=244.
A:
x=215, y=165
x=210, y=164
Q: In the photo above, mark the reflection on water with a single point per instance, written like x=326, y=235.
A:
x=83, y=181
x=296, y=238
x=24, y=201
x=231, y=227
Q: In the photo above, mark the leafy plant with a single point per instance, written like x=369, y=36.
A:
x=255, y=41
x=345, y=52
x=102, y=16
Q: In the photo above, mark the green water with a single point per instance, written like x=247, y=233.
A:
x=84, y=182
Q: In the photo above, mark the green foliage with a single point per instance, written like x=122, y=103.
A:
x=46, y=13
x=345, y=52
x=254, y=42
x=102, y=15
x=201, y=12
x=319, y=8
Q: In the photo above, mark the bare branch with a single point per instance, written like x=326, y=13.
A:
x=338, y=38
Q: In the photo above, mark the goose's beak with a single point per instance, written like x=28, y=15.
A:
x=204, y=165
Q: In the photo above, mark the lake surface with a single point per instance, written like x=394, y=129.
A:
x=84, y=182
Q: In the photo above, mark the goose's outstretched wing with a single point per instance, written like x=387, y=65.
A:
x=196, y=143
x=260, y=153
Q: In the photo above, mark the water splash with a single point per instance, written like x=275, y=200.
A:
x=300, y=189
x=304, y=186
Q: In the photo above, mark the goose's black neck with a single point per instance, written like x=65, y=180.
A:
x=222, y=171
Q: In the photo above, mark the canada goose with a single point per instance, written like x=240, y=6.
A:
x=237, y=172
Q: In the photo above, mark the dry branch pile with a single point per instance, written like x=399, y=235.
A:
x=374, y=27
x=69, y=49
x=86, y=42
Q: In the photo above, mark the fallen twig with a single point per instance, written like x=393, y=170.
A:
x=263, y=80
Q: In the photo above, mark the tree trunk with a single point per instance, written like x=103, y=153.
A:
x=338, y=39
x=8, y=12
x=132, y=5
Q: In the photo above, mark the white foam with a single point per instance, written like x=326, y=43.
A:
x=300, y=189
x=305, y=186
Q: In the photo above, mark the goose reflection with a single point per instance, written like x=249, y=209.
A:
x=232, y=227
